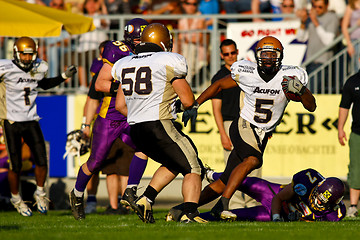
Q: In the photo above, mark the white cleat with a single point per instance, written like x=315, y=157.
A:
x=228, y=216
x=352, y=212
x=21, y=207
x=42, y=202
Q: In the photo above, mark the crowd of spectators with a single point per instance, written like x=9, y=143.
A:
x=193, y=42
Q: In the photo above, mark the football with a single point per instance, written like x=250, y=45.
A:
x=292, y=96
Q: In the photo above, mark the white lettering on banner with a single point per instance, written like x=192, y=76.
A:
x=246, y=36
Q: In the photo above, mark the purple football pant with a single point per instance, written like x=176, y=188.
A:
x=105, y=132
x=259, y=189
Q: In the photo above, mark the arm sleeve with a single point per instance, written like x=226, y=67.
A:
x=325, y=37
x=47, y=83
x=346, y=97
x=93, y=94
x=301, y=35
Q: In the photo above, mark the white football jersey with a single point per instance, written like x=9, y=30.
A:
x=146, y=81
x=264, y=102
x=18, y=90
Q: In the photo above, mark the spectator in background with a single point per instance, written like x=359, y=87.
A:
x=116, y=7
x=287, y=7
x=209, y=7
x=226, y=108
x=168, y=7
x=351, y=19
x=351, y=98
x=236, y=6
x=56, y=45
x=319, y=27
x=336, y=6
x=192, y=42
x=89, y=42
x=264, y=6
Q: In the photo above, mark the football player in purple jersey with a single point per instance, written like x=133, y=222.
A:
x=110, y=124
x=309, y=197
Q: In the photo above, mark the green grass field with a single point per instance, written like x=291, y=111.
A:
x=61, y=225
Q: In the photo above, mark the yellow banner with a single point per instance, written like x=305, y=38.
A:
x=302, y=140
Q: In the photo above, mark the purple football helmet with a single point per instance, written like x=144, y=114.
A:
x=327, y=194
x=133, y=30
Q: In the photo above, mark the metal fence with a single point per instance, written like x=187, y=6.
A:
x=327, y=79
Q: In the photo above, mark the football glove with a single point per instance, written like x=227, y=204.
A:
x=69, y=72
x=292, y=84
x=190, y=113
x=178, y=106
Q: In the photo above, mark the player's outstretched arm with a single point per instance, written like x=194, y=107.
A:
x=224, y=83
x=47, y=83
x=286, y=194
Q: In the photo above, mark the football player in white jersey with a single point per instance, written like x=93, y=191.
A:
x=19, y=79
x=263, y=86
x=151, y=81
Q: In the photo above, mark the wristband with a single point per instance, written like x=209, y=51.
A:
x=302, y=90
x=63, y=75
x=114, y=87
x=84, y=125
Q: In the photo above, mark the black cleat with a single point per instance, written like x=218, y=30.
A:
x=217, y=209
x=175, y=213
x=77, y=206
x=129, y=198
x=143, y=209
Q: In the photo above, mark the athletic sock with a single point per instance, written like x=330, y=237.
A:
x=136, y=170
x=151, y=194
x=81, y=181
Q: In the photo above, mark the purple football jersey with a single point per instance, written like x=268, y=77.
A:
x=113, y=51
x=304, y=182
x=96, y=66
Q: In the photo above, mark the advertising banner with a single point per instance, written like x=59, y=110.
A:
x=247, y=35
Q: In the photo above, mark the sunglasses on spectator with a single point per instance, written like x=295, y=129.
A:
x=319, y=7
x=288, y=6
x=230, y=53
x=189, y=3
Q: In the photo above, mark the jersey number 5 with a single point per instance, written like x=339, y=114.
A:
x=141, y=84
x=265, y=113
